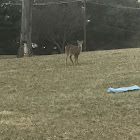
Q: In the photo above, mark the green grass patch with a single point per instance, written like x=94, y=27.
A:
x=41, y=99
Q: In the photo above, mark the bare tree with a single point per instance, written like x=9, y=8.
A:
x=57, y=23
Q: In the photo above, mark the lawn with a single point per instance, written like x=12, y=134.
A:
x=41, y=99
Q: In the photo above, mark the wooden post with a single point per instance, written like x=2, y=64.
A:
x=26, y=29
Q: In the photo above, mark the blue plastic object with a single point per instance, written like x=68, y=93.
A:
x=122, y=89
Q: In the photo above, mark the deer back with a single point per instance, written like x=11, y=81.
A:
x=74, y=50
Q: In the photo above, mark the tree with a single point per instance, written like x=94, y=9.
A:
x=26, y=29
x=10, y=16
x=57, y=23
x=113, y=24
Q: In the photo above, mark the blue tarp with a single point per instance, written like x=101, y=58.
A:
x=122, y=89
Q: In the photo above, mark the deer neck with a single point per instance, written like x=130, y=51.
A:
x=79, y=46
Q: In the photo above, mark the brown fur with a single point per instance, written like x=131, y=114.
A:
x=73, y=50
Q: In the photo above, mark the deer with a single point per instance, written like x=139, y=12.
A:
x=73, y=50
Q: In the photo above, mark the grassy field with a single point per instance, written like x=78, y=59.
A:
x=41, y=99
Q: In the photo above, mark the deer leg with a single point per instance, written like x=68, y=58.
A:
x=71, y=59
x=66, y=59
x=76, y=59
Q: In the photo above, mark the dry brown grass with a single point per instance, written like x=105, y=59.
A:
x=41, y=99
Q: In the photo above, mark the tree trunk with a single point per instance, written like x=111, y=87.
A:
x=26, y=29
x=85, y=22
x=63, y=46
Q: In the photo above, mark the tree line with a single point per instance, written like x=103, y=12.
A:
x=110, y=25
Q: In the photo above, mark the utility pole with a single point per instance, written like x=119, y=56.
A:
x=85, y=22
x=25, y=48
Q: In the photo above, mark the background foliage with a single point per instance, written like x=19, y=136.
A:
x=112, y=25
